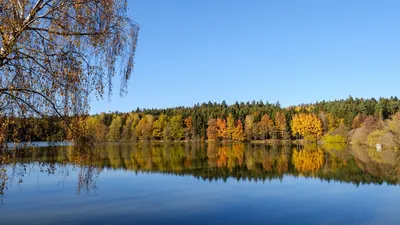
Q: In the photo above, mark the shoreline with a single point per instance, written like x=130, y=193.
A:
x=222, y=141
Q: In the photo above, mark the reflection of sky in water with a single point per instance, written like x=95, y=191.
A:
x=124, y=197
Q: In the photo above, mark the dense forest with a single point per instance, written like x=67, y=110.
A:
x=356, y=121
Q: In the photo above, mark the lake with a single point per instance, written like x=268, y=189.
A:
x=200, y=183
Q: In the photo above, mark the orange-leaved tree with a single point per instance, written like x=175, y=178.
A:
x=266, y=127
x=222, y=129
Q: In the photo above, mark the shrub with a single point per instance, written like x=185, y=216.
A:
x=384, y=137
x=360, y=136
x=329, y=138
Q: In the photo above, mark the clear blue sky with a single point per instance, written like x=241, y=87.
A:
x=294, y=52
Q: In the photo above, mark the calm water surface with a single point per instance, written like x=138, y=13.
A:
x=197, y=183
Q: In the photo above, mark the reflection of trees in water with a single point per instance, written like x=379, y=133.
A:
x=227, y=155
x=87, y=179
x=209, y=161
x=52, y=161
x=282, y=161
x=308, y=160
x=88, y=160
x=385, y=164
x=3, y=174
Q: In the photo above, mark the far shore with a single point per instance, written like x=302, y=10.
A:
x=301, y=142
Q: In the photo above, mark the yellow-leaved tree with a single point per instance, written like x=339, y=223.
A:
x=230, y=126
x=308, y=126
x=238, y=134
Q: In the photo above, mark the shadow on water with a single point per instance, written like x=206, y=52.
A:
x=208, y=162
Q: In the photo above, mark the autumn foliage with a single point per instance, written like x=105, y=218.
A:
x=212, y=133
x=55, y=55
x=308, y=160
x=221, y=129
x=326, y=122
x=238, y=134
x=307, y=125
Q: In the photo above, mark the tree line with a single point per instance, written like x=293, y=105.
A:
x=362, y=121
